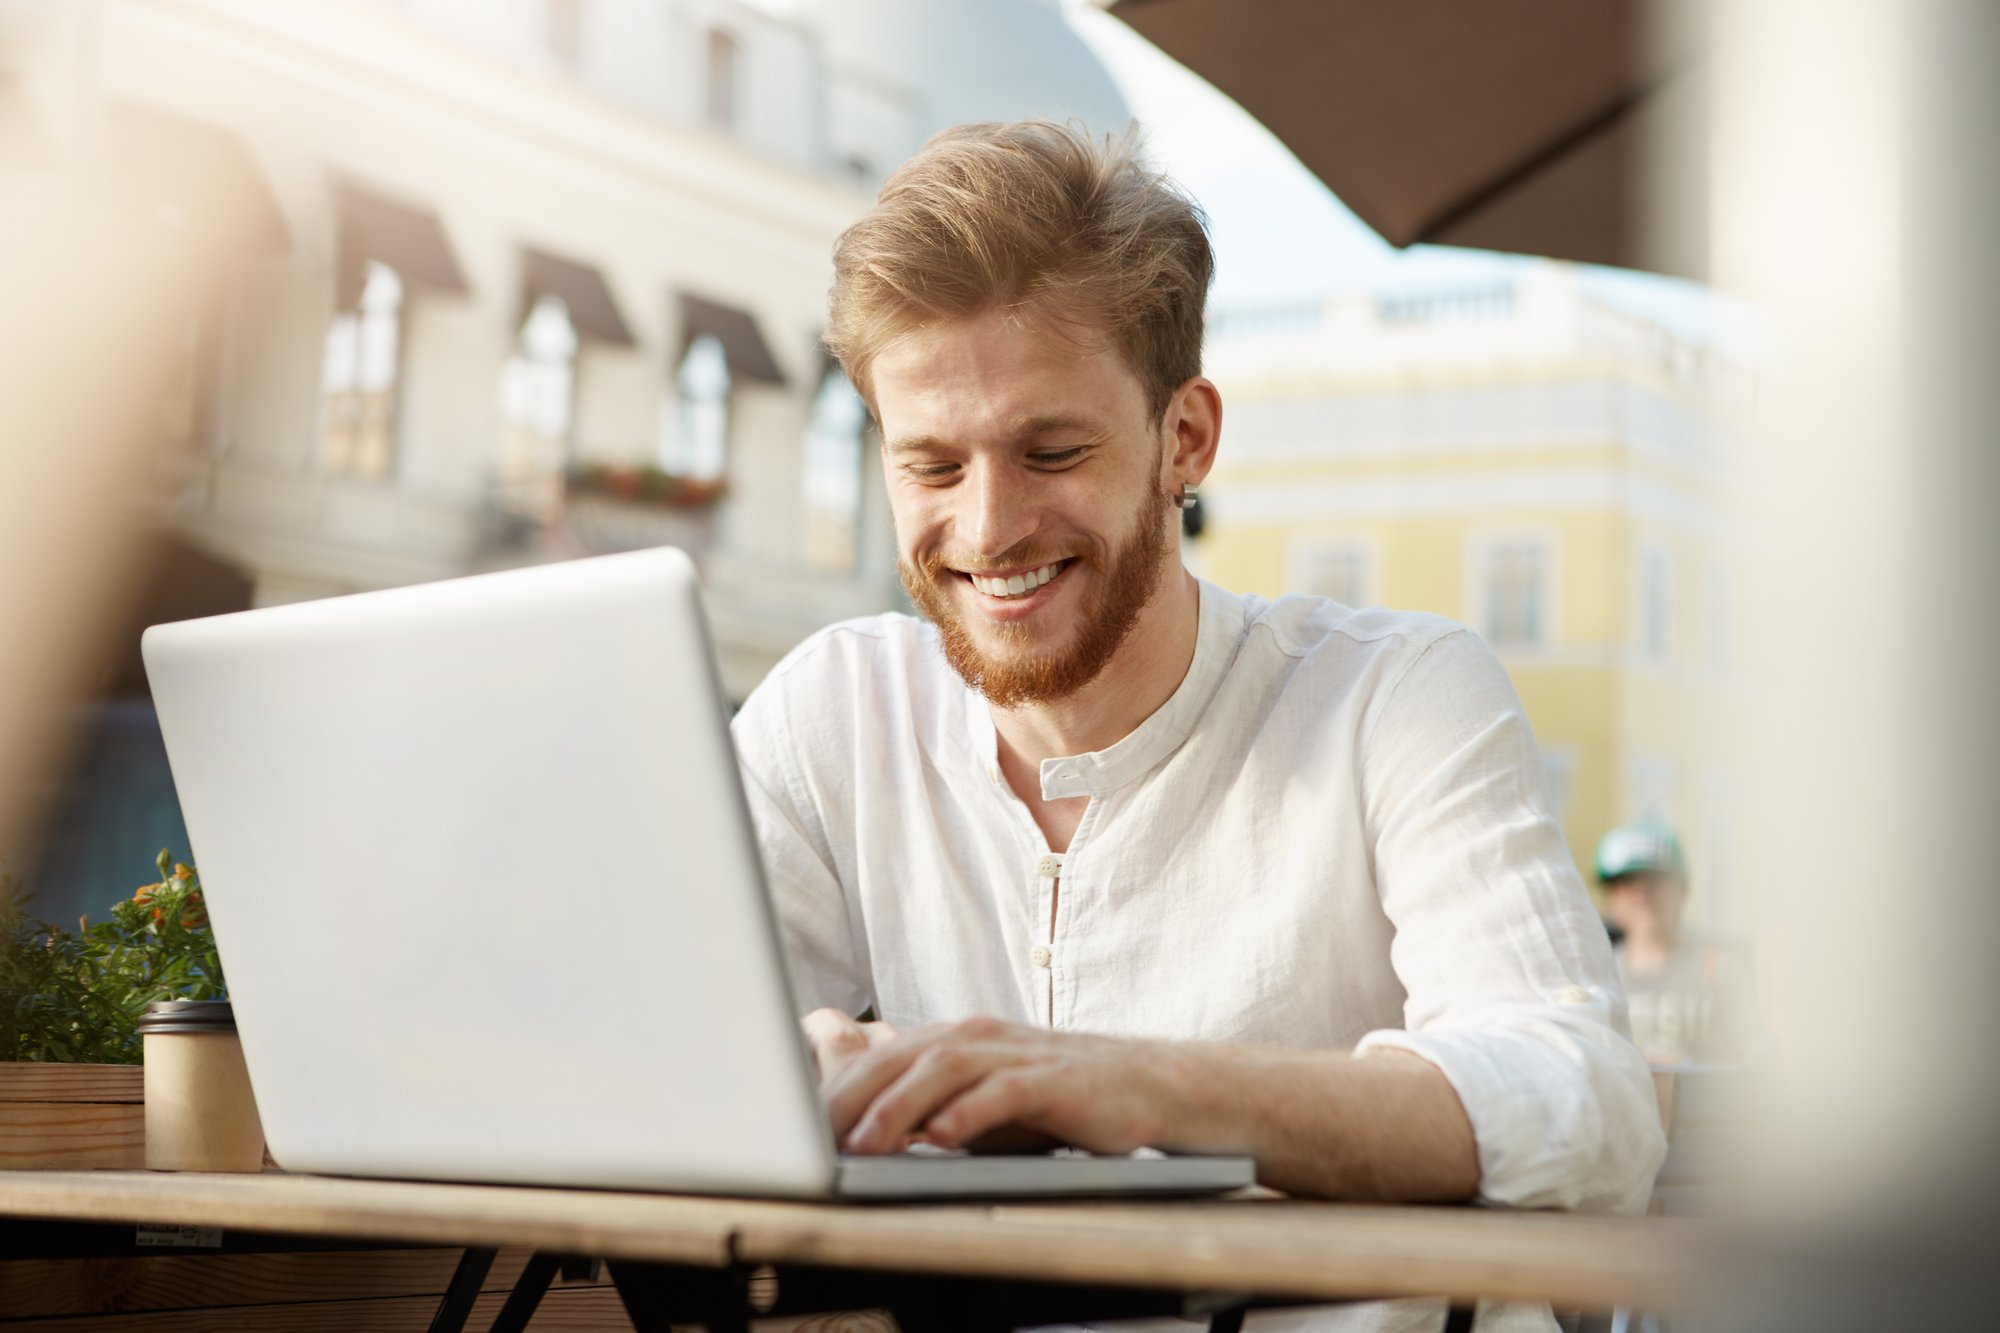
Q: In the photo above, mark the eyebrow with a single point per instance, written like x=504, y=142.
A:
x=1024, y=428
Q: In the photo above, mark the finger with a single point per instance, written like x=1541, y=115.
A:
x=862, y=1078
x=834, y=1038
x=865, y=1077
x=996, y=1114
x=860, y=1040
x=940, y=1073
x=868, y=1037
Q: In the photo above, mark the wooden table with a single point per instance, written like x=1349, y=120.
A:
x=1257, y=1247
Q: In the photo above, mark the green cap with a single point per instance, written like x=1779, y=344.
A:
x=1632, y=848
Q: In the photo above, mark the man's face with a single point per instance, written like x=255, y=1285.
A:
x=1029, y=489
x=1646, y=902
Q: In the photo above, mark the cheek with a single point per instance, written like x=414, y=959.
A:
x=917, y=519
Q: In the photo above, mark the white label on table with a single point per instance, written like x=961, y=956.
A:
x=208, y=1238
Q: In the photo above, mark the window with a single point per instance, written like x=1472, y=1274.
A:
x=833, y=473
x=1718, y=621
x=537, y=401
x=694, y=427
x=358, y=380
x=1655, y=603
x=1712, y=852
x=1649, y=789
x=1514, y=592
x=723, y=54
x=1331, y=568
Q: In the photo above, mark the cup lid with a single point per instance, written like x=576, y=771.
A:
x=170, y=1016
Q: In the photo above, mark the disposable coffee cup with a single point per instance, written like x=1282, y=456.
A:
x=200, y=1114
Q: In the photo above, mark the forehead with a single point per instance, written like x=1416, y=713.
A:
x=966, y=378
x=1645, y=881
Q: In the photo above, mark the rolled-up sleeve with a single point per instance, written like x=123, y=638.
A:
x=1512, y=992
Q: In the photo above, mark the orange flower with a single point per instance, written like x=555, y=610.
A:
x=146, y=891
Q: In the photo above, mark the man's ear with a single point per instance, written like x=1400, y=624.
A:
x=1194, y=426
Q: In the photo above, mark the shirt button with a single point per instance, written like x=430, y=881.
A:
x=1040, y=955
x=1049, y=865
x=1575, y=995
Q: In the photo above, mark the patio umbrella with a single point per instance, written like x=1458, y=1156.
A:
x=1535, y=126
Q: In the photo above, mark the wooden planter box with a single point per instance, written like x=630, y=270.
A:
x=73, y=1117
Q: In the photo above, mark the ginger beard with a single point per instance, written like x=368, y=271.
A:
x=1127, y=579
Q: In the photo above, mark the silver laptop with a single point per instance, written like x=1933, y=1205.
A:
x=491, y=906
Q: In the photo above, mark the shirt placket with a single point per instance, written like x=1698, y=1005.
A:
x=1044, y=875
x=1048, y=870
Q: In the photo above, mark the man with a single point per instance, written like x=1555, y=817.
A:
x=1121, y=858
x=1685, y=994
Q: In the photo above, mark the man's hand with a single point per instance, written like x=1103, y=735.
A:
x=957, y=1083
x=1320, y=1123
x=835, y=1039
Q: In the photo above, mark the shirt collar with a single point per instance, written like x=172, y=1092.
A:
x=1218, y=633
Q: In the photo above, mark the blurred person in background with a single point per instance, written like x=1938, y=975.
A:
x=1121, y=858
x=1686, y=995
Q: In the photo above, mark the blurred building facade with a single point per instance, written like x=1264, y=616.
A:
x=535, y=279
x=901, y=70
x=1538, y=466
x=546, y=279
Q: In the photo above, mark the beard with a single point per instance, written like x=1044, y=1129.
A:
x=1017, y=674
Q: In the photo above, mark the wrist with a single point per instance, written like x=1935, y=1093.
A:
x=1196, y=1099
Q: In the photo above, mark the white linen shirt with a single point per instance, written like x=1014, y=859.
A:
x=1333, y=836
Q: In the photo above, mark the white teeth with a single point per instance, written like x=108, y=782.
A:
x=1017, y=584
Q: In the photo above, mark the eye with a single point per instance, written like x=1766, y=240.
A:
x=1053, y=458
x=929, y=472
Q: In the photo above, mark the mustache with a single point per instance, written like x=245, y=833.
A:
x=934, y=564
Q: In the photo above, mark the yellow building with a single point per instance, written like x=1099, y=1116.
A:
x=1527, y=461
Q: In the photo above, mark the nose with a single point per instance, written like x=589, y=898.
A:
x=998, y=511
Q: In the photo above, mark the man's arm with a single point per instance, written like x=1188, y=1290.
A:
x=1385, y=1126
x=1330, y=1124
x=1511, y=992
x=1515, y=1049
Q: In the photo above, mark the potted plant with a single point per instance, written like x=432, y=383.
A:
x=71, y=1005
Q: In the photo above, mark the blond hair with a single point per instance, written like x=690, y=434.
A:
x=1076, y=235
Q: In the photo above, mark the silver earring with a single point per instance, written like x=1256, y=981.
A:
x=1188, y=496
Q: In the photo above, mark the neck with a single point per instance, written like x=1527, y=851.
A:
x=1647, y=951
x=1143, y=674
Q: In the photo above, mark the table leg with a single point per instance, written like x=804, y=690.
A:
x=466, y=1280
x=656, y=1296
x=529, y=1288
x=1459, y=1320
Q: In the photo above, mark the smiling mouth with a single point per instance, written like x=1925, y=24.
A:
x=1016, y=585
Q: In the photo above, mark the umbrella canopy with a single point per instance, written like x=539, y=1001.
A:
x=1536, y=126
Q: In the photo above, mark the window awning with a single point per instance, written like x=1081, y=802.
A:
x=408, y=239
x=192, y=174
x=592, y=311
x=742, y=342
